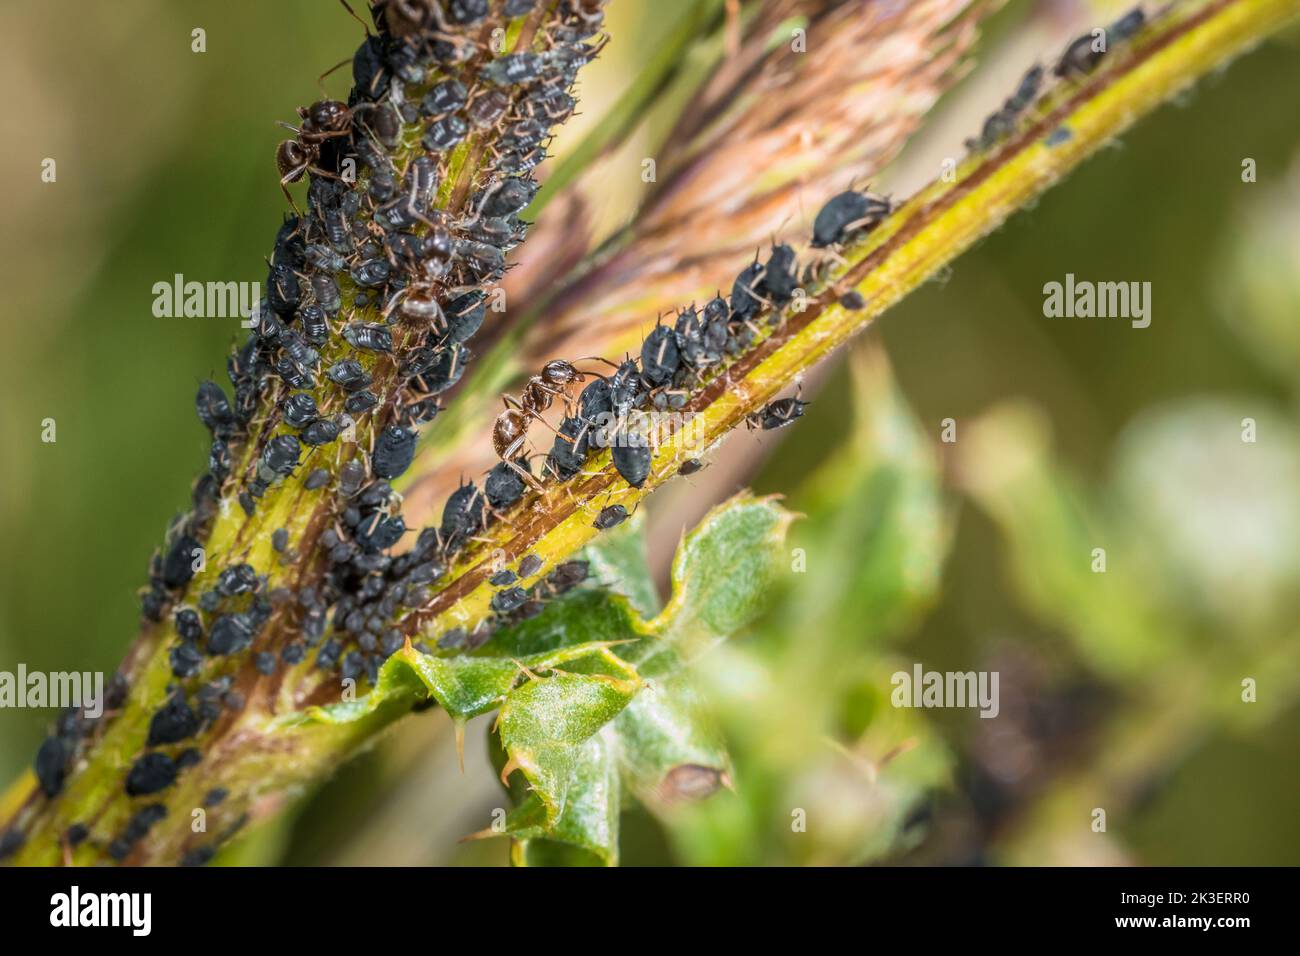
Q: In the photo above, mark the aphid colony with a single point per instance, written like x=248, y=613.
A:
x=1080, y=58
x=371, y=240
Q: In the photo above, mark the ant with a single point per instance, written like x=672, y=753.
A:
x=538, y=394
x=322, y=121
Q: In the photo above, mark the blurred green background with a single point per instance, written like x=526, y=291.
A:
x=1072, y=434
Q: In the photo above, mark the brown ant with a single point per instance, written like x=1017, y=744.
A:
x=322, y=121
x=540, y=391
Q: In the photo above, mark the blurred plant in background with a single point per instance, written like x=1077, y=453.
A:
x=1121, y=690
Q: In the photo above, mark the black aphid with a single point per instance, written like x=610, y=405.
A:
x=214, y=408
x=445, y=133
x=462, y=515
x=394, y=451
x=659, y=356
x=371, y=338
x=358, y=403
x=778, y=414
x=512, y=69
x=632, y=457
x=320, y=432
x=465, y=316
x=149, y=774
x=445, y=97
x=530, y=565
x=780, y=275
x=503, y=486
x=237, y=579
x=690, y=466
x=264, y=661
x=188, y=625
x=299, y=410
x=186, y=659
x=502, y=578
x=847, y=213
x=178, y=565
x=52, y=765
x=281, y=454
x=503, y=602
x=172, y=722
x=350, y=374
x=744, y=292
x=610, y=516
x=230, y=634
x=319, y=478
x=509, y=196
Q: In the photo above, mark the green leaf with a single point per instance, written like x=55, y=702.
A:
x=589, y=822
x=723, y=572
x=545, y=728
x=663, y=746
x=464, y=686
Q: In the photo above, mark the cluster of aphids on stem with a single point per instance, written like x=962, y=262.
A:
x=312, y=376
x=674, y=362
x=1080, y=58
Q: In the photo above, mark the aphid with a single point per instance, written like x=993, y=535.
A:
x=610, y=516
x=570, y=449
x=502, y=578
x=690, y=467
x=466, y=12
x=853, y=300
x=280, y=539
x=420, y=412
x=463, y=514
x=230, y=634
x=513, y=69
x=320, y=256
x=371, y=338
x=445, y=133
x=626, y=389
x=315, y=325
x=659, y=356
x=237, y=579
x=780, y=278
x=379, y=533
x=1126, y=26
x=503, y=486
x=188, y=625
x=185, y=659
x=283, y=291
x=328, y=297
x=281, y=454
x=369, y=74
x=508, y=196
x=174, y=721
x=444, y=97
x=503, y=602
x=530, y=565
x=1081, y=56
x=320, y=432
x=744, y=292
x=213, y=407
x=487, y=108
x=394, y=451
x=299, y=410
x=847, y=213
x=351, y=475
x=371, y=273
x=350, y=374
x=778, y=414
x=447, y=368
x=465, y=316
x=149, y=774
x=52, y=765
x=319, y=478
x=517, y=8
x=178, y=565
x=632, y=458
x=361, y=402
